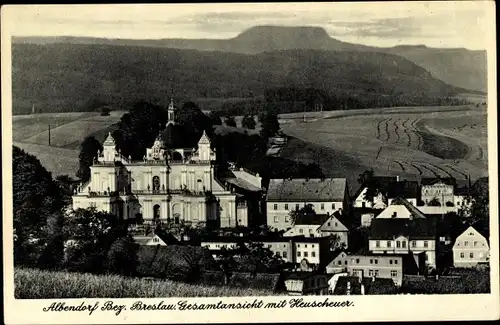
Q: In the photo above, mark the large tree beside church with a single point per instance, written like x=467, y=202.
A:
x=37, y=204
x=88, y=152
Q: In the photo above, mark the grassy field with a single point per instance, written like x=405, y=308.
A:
x=30, y=133
x=428, y=141
x=39, y=284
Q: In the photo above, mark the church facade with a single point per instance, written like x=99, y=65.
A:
x=169, y=185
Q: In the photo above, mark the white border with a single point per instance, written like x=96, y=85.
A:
x=366, y=308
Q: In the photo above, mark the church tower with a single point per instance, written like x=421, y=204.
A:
x=171, y=112
x=205, y=153
x=109, y=149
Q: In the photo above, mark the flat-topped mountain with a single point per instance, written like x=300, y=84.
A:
x=459, y=67
x=59, y=76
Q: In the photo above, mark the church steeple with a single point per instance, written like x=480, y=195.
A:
x=171, y=112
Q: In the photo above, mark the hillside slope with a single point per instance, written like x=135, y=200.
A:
x=459, y=67
x=66, y=77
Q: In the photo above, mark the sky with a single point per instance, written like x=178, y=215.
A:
x=435, y=24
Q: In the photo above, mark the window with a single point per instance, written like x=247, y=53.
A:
x=275, y=207
x=310, y=230
x=376, y=261
x=322, y=207
x=313, y=254
x=298, y=254
x=305, y=245
x=462, y=255
x=336, y=224
x=389, y=243
x=426, y=244
x=328, y=224
x=466, y=243
x=471, y=255
x=306, y=254
x=357, y=260
x=276, y=219
x=395, y=261
x=377, y=243
x=296, y=206
x=413, y=243
x=390, y=261
x=403, y=244
x=278, y=254
x=475, y=243
x=286, y=206
x=345, y=262
x=375, y=272
x=333, y=206
x=156, y=240
x=284, y=254
x=286, y=219
x=370, y=273
x=301, y=231
x=398, y=244
x=363, y=204
x=339, y=262
x=371, y=261
x=394, y=274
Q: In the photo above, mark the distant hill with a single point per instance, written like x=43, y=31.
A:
x=459, y=67
x=72, y=77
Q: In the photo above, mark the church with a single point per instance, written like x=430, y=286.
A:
x=169, y=185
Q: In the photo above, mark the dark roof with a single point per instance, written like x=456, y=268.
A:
x=433, y=180
x=299, y=275
x=382, y=181
x=378, y=286
x=312, y=219
x=309, y=190
x=405, y=189
x=392, y=228
x=174, y=138
x=463, y=191
x=415, y=213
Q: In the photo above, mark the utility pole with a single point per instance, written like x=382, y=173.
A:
x=49, y=135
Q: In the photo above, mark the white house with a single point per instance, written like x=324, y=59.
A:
x=470, y=249
x=285, y=195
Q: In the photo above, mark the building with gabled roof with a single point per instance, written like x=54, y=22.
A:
x=285, y=195
x=171, y=184
x=470, y=249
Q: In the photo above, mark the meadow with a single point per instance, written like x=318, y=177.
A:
x=67, y=131
x=423, y=142
x=41, y=284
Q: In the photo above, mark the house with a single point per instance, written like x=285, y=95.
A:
x=321, y=225
x=306, y=283
x=470, y=249
x=408, y=190
x=380, y=201
x=441, y=189
x=311, y=252
x=401, y=208
x=403, y=234
x=338, y=264
x=285, y=195
x=280, y=246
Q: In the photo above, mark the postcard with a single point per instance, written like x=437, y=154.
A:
x=249, y=162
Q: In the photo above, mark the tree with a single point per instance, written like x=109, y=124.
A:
x=230, y=121
x=93, y=232
x=66, y=185
x=215, y=118
x=88, y=152
x=122, y=256
x=269, y=124
x=36, y=198
x=434, y=203
x=105, y=111
x=367, y=179
x=255, y=258
x=248, y=122
x=308, y=209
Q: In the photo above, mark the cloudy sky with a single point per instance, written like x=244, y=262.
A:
x=438, y=24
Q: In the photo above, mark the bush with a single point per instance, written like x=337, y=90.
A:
x=450, y=204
